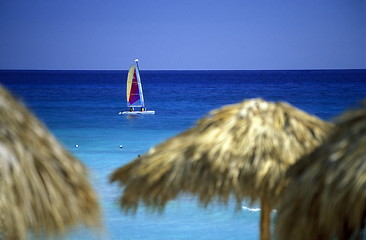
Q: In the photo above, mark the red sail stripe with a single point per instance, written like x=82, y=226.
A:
x=134, y=93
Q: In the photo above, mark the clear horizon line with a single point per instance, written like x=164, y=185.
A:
x=282, y=69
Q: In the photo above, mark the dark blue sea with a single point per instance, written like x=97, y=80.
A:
x=81, y=107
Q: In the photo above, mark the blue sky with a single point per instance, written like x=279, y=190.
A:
x=183, y=34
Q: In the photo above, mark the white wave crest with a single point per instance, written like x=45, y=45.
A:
x=251, y=209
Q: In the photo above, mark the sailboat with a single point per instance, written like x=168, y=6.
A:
x=134, y=94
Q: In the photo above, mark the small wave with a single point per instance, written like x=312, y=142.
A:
x=254, y=209
x=251, y=209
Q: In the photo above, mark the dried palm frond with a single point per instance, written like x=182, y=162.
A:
x=326, y=198
x=43, y=188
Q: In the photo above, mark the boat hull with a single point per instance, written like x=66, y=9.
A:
x=136, y=113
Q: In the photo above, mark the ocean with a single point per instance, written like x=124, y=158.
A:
x=81, y=108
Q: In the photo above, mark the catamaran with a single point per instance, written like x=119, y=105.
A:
x=134, y=94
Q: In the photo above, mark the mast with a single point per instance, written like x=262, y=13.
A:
x=139, y=83
x=137, y=63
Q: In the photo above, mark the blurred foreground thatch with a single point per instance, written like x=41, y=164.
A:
x=241, y=150
x=43, y=188
x=326, y=198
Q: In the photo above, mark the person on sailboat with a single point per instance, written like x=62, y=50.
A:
x=131, y=109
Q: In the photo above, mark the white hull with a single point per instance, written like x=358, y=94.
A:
x=136, y=112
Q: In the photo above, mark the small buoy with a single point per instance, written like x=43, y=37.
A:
x=120, y=146
x=76, y=145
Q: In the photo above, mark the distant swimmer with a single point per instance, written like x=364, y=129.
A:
x=120, y=146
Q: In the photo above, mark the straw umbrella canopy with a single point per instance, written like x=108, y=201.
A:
x=326, y=198
x=43, y=188
x=240, y=150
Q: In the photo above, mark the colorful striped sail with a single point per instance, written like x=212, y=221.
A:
x=134, y=93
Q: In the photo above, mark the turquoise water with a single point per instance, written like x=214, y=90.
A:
x=81, y=108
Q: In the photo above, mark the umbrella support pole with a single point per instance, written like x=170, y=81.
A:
x=265, y=220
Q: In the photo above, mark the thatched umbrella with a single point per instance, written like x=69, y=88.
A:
x=241, y=150
x=326, y=198
x=43, y=188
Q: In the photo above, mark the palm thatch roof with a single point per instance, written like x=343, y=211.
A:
x=242, y=149
x=43, y=188
x=326, y=198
